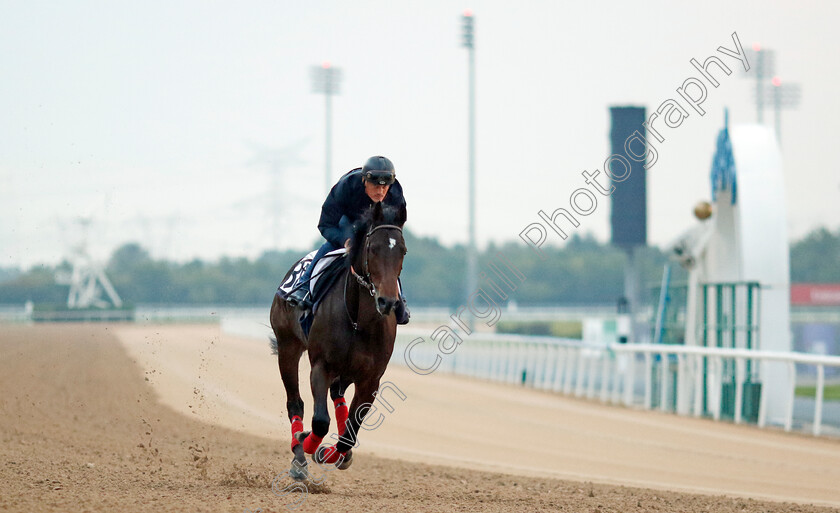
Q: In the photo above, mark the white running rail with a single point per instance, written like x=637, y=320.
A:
x=610, y=373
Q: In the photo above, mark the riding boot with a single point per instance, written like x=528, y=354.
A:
x=401, y=311
x=300, y=298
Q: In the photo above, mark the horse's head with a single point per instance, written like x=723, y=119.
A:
x=377, y=252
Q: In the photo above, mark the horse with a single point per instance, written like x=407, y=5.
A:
x=350, y=341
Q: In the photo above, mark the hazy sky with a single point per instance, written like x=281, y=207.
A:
x=160, y=120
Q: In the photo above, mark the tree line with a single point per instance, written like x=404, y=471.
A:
x=583, y=272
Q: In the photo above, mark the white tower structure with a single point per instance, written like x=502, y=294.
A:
x=738, y=262
x=87, y=279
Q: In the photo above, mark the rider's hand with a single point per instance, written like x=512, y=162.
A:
x=347, y=244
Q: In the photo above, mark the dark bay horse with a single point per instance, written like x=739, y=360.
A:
x=350, y=342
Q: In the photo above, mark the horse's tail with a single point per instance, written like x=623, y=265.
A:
x=273, y=343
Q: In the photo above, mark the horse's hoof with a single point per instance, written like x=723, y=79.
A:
x=329, y=454
x=298, y=472
x=347, y=461
x=321, y=455
x=300, y=436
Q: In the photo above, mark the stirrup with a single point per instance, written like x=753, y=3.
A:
x=299, y=298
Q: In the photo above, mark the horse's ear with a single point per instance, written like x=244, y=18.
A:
x=402, y=215
x=378, y=216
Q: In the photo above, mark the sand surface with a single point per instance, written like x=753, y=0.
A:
x=187, y=418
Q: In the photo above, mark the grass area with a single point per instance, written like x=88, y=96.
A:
x=565, y=329
x=832, y=392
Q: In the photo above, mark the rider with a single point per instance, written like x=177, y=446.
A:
x=347, y=201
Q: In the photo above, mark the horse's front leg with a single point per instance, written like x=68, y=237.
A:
x=320, y=382
x=337, y=390
x=341, y=454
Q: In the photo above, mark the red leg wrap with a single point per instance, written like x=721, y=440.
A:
x=331, y=455
x=297, y=427
x=341, y=414
x=311, y=443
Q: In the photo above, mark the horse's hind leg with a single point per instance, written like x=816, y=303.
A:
x=289, y=351
x=289, y=348
x=337, y=390
x=288, y=361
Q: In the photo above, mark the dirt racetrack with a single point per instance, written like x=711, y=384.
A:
x=85, y=425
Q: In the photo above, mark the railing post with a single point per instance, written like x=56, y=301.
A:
x=542, y=361
x=605, y=375
x=717, y=386
x=630, y=378
x=739, y=388
x=464, y=359
x=503, y=361
x=492, y=357
x=478, y=360
x=648, y=381
x=545, y=380
x=663, y=381
x=698, y=384
x=489, y=360
x=682, y=383
x=762, y=401
x=590, y=382
x=616, y=383
x=535, y=368
x=789, y=418
x=819, y=406
x=580, y=373
x=573, y=354
x=513, y=369
x=560, y=366
x=543, y=364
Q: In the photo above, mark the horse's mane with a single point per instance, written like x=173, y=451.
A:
x=371, y=219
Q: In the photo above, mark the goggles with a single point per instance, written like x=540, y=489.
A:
x=380, y=177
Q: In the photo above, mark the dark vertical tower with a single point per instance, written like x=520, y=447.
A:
x=628, y=218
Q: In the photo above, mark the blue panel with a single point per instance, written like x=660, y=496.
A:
x=723, y=164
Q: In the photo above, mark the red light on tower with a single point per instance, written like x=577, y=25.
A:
x=776, y=81
x=468, y=25
x=756, y=47
x=326, y=65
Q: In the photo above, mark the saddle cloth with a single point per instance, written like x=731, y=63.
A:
x=326, y=270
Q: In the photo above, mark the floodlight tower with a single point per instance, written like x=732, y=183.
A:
x=784, y=96
x=326, y=79
x=764, y=66
x=773, y=91
x=469, y=43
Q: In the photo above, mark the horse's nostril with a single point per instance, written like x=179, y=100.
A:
x=384, y=306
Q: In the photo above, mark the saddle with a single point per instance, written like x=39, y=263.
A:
x=324, y=275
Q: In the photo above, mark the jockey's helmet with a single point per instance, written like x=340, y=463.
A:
x=379, y=170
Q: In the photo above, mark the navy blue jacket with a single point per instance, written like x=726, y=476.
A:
x=346, y=203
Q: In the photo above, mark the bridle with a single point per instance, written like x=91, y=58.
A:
x=364, y=279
